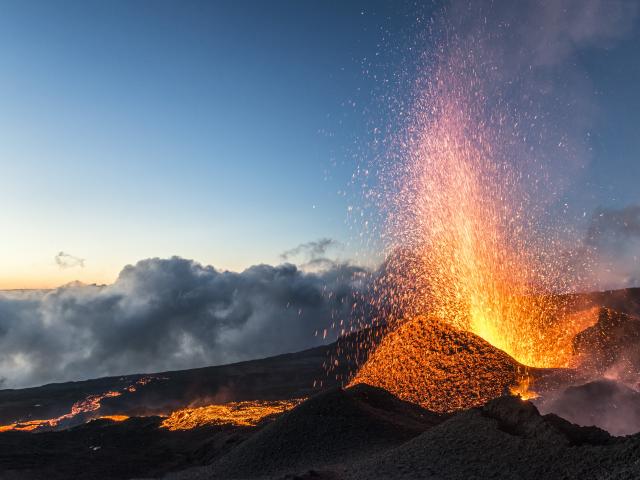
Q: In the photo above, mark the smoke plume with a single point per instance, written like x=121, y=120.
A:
x=613, y=236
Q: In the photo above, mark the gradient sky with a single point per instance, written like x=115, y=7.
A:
x=217, y=131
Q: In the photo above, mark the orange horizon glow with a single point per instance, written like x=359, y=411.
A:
x=50, y=280
x=47, y=276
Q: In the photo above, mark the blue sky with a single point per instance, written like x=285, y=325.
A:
x=615, y=73
x=212, y=130
x=218, y=131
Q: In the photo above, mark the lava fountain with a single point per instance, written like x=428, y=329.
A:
x=470, y=238
x=476, y=262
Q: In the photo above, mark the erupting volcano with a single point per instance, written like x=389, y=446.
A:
x=472, y=246
x=208, y=316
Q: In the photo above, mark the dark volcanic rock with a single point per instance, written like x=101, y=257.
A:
x=332, y=427
x=625, y=300
x=612, y=343
x=506, y=439
x=523, y=419
x=102, y=449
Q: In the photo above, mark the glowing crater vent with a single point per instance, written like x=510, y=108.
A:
x=438, y=366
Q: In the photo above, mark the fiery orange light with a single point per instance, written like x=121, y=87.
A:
x=114, y=418
x=523, y=388
x=22, y=426
x=442, y=368
x=486, y=256
x=91, y=403
x=248, y=413
x=478, y=264
x=470, y=240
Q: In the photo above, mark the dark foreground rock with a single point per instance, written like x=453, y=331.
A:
x=507, y=438
x=358, y=433
x=102, y=449
x=335, y=426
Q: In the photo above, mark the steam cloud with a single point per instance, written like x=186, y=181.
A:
x=605, y=403
x=164, y=314
x=554, y=30
x=543, y=33
x=614, y=237
x=313, y=253
x=65, y=260
x=532, y=47
x=614, y=227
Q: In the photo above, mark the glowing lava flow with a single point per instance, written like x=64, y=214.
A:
x=114, y=418
x=91, y=403
x=523, y=388
x=248, y=413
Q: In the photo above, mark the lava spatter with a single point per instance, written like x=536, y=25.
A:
x=472, y=247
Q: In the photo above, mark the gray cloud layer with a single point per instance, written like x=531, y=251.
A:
x=164, y=314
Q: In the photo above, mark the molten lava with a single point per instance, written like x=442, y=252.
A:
x=114, y=418
x=87, y=406
x=248, y=413
x=438, y=366
x=523, y=388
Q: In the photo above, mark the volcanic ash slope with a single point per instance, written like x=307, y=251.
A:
x=334, y=427
x=364, y=433
x=506, y=439
x=439, y=367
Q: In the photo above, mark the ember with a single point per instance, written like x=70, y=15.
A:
x=472, y=246
x=464, y=233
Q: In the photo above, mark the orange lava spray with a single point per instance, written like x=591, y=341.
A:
x=470, y=239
